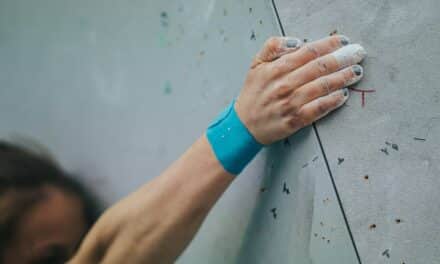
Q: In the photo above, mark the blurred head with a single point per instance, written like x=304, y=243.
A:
x=45, y=212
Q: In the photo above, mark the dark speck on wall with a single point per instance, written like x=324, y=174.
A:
x=180, y=8
x=392, y=73
x=340, y=160
x=419, y=139
x=386, y=253
x=274, y=212
x=315, y=158
x=392, y=145
x=167, y=89
x=164, y=19
x=260, y=21
x=285, y=189
x=305, y=165
x=253, y=36
x=384, y=150
x=334, y=32
x=250, y=10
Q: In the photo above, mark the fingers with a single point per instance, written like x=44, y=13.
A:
x=345, y=56
x=307, y=53
x=320, y=107
x=274, y=48
x=327, y=84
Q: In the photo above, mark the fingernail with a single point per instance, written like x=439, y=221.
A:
x=341, y=100
x=357, y=69
x=292, y=42
x=345, y=92
x=344, y=40
x=357, y=74
x=349, y=55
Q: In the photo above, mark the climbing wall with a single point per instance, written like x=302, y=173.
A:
x=383, y=147
x=118, y=90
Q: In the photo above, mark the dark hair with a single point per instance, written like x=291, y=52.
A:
x=22, y=174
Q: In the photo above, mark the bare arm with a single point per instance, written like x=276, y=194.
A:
x=286, y=89
x=156, y=222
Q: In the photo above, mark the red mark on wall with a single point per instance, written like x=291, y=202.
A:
x=363, y=92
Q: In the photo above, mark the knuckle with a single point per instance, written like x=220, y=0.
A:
x=272, y=44
x=282, y=87
x=294, y=121
x=346, y=77
x=310, y=48
x=271, y=40
x=288, y=107
x=285, y=107
x=294, y=81
x=340, y=80
x=297, y=93
x=279, y=94
x=321, y=108
x=335, y=42
x=278, y=68
x=322, y=65
x=324, y=86
x=338, y=101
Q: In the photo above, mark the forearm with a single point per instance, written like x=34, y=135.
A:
x=288, y=87
x=156, y=223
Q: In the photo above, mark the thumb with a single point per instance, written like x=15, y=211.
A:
x=274, y=48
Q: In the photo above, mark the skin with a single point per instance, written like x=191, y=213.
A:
x=285, y=90
x=50, y=231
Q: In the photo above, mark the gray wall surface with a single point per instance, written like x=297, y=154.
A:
x=118, y=90
x=401, y=196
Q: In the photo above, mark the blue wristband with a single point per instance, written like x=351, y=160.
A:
x=233, y=145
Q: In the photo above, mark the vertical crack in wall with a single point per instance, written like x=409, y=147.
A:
x=315, y=129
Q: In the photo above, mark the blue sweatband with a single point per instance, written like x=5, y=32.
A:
x=231, y=141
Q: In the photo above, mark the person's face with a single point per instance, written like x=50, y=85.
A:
x=49, y=232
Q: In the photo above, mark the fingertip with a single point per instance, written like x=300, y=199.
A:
x=357, y=72
x=291, y=43
x=344, y=40
x=349, y=55
x=345, y=93
x=341, y=95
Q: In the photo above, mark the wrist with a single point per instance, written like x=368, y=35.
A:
x=232, y=142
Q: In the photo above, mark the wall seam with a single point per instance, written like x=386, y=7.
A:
x=315, y=129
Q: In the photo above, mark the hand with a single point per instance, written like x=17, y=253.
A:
x=290, y=85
